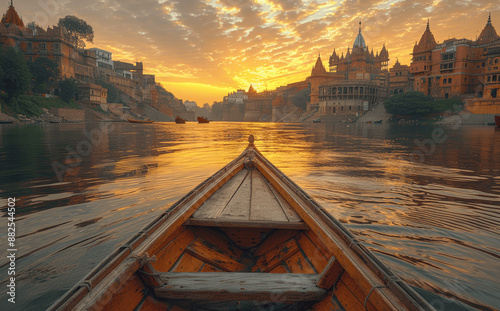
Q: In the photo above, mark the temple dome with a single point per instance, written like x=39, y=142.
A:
x=360, y=41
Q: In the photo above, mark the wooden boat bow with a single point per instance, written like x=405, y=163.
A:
x=248, y=235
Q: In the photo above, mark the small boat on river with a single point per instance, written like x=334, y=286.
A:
x=203, y=120
x=497, y=121
x=179, y=120
x=139, y=121
x=247, y=238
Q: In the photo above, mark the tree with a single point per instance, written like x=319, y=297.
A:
x=78, y=29
x=43, y=71
x=113, y=92
x=301, y=98
x=414, y=104
x=15, y=76
x=68, y=89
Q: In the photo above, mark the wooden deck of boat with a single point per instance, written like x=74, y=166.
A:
x=247, y=200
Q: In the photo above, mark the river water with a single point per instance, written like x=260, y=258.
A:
x=424, y=199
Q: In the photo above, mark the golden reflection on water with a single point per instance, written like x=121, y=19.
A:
x=433, y=223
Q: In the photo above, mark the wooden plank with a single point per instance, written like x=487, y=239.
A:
x=218, y=238
x=275, y=238
x=214, y=206
x=287, y=209
x=246, y=224
x=330, y=274
x=187, y=263
x=353, y=287
x=239, y=206
x=209, y=268
x=264, y=205
x=246, y=238
x=131, y=294
x=214, y=257
x=276, y=256
x=152, y=304
x=313, y=254
x=347, y=298
x=236, y=286
x=280, y=269
x=169, y=255
x=298, y=264
x=328, y=304
x=319, y=243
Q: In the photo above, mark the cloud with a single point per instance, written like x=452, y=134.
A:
x=227, y=44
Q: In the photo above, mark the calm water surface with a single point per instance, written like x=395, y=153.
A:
x=434, y=221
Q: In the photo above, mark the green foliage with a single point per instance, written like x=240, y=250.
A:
x=43, y=71
x=301, y=98
x=15, y=75
x=448, y=104
x=416, y=104
x=68, y=89
x=113, y=92
x=32, y=105
x=78, y=29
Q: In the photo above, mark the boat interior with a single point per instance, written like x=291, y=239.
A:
x=246, y=243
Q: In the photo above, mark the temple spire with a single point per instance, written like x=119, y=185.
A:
x=428, y=27
x=11, y=2
x=489, y=20
x=359, y=27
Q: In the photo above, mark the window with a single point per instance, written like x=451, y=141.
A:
x=494, y=78
x=493, y=93
x=465, y=65
x=449, y=80
x=30, y=46
x=42, y=46
x=445, y=95
x=444, y=81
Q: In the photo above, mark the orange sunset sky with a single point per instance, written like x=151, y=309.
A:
x=201, y=50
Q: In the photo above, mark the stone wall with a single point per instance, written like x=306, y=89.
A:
x=69, y=114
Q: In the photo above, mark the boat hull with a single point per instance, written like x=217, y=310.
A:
x=203, y=120
x=180, y=120
x=247, y=236
x=139, y=121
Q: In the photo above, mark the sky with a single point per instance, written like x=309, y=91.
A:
x=203, y=50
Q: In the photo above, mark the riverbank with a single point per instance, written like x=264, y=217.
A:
x=39, y=109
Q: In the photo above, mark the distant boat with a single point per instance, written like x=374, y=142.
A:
x=179, y=120
x=202, y=120
x=497, y=121
x=317, y=121
x=378, y=122
x=139, y=121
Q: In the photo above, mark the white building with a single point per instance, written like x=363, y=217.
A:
x=104, y=59
x=238, y=97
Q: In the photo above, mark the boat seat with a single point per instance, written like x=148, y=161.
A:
x=240, y=286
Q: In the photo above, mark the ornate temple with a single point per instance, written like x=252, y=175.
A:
x=355, y=83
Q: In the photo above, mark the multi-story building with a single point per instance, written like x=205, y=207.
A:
x=356, y=82
x=400, y=79
x=53, y=43
x=454, y=68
